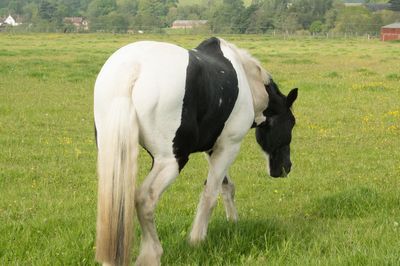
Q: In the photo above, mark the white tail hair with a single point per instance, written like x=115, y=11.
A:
x=117, y=168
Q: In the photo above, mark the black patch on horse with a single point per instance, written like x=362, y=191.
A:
x=211, y=91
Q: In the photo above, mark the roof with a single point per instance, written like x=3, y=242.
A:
x=354, y=1
x=392, y=26
x=10, y=20
x=78, y=20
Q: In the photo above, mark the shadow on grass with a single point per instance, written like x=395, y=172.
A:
x=226, y=243
x=256, y=239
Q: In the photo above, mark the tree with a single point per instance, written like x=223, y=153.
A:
x=227, y=17
x=191, y=12
x=116, y=22
x=316, y=27
x=31, y=12
x=152, y=13
x=74, y=7
x=308, y=11
x=357, y=20
x=47, y=10
x=272, y=14
x=16, y=6
x=388, y=16
x=247, y=18
x=261, y=20
x=288, y=23
x=331, y=15
x=98, y=8
x=394, y=5
x=127, y=7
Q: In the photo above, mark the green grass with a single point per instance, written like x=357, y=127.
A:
x=339, y=206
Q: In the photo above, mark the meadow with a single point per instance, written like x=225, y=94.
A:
x=340, y=204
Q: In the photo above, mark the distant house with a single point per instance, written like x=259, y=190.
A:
x=377, y=6
x=371, y=6
x=390, y=32
x=9, y=21
x=80, y=23
x=187, y=24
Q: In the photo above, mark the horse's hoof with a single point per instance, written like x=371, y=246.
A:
x=232, y=218
x=195, y=241
x=147, y=260
x=150, y=255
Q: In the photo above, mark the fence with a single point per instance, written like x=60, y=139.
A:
x=189, y=31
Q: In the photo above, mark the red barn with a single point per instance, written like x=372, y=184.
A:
x=390, y=32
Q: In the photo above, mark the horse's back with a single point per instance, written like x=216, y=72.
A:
x=145, y=60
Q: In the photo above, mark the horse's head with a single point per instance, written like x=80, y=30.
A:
x=275, y=134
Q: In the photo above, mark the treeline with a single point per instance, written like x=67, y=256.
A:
x=224, y=16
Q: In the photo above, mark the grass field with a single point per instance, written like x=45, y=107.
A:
x=339, y=206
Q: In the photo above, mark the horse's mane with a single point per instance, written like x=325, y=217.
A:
x=257, y=78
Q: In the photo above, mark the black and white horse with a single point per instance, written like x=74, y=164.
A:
x=174, y=102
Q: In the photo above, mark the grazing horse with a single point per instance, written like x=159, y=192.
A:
x=174, y=102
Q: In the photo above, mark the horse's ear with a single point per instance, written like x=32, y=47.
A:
x=292, y=96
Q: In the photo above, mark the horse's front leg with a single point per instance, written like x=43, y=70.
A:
x=228, y=195
x=219, y=162
x=161, y=176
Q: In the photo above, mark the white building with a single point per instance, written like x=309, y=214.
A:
x=10, y=21
x=352, y=3
x=187, y=24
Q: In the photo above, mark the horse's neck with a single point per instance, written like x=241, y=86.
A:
x=260, y=103
x=255, y=75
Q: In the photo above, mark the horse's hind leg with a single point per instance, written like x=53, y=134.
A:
x=219, y=162
x=161, y=176
x=228, y=195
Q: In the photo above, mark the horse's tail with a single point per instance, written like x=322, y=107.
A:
x=117, y=168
